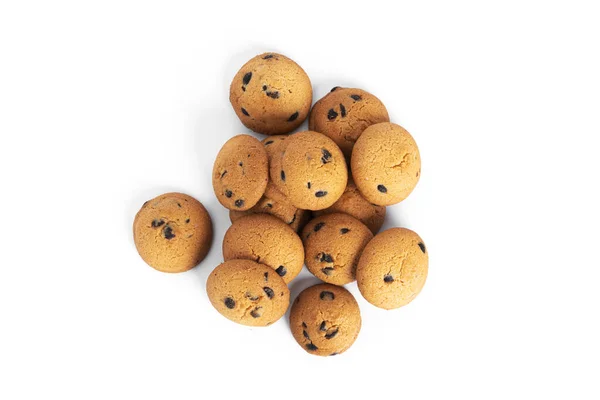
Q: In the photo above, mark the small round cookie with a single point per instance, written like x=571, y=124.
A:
x=271, y=94
x=333, y=244
x=386, y=164
x=247, y=292
x=392, y=268
x=276, y=204
x=313, y=171
x=172, y=232
x=344, y=113
x=353, y=203
x=265, y=239
x=325, y=319
x=240, y=173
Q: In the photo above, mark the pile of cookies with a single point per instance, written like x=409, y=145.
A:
x=316, y=198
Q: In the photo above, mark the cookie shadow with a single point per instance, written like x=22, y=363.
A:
x=296, y=287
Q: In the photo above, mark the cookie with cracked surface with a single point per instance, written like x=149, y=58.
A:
x=325, y=319
x=313, y=171
x=354, y=204
x=247, y=292
x=333, y=244
x=344, y=113
x=265, y=239
x=392, y=268
x=271, y=94
x=172, y=232
x=386, y=164
x=240, y=173
x=276, y=204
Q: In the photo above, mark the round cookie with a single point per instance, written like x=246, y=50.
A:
x=172, y=232
x=392, y=268
x=271, y=94
x=265, y=239
x=240, y=173
x=325, y=319
x=344, y=113
x=247, y=292
x=354, y=204
x=333, y=244
x=386, y=164
x=276, y=204
x=313, y=171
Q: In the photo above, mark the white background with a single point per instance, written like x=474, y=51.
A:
x=106, y=104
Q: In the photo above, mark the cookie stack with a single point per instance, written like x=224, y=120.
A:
x=317, y=198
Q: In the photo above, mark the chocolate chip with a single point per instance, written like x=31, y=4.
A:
x=251, y=297
x=321, y=193
x=247, y=77
x=334, y=89
x=168, y=232
x=146, y=202
x=157, y=222
x=306, y=335
x=326, y=157
x=343, y=231
x=239, y=203
x=323, y=327
x=273, y=95
x=269, y=292
x=281, y=271
x=293, y=116
x=178, y=205
x=293, y=219
x=304, y=325
x=327, y=271
x=356, y=97
x=312, y=347
x=331, y=114
x=269, y=205
x=327, y=295
x=331, y=335
x=256, y=313
x=187, y=221
x=282, y=175
x=229, y=302
x=343, y=110
x=268, y=56
x=228, y=193
x=264, y=87
x=326, y=258
x=241, y=164
x=382, y=188
x=388, y=278
x=223, y=174
x=243, y=88
x=319, y=226
x=308, y=185
x=268, y=142
x=333, y=354
x=266, y=277
x=245, y=112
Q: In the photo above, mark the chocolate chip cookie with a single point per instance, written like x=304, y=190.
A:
x=172, y=232
x=271, y=94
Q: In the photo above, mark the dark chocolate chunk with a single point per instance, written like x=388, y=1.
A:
x=256, y=313
x=333, y=354
x=268, y=56
x=382, y=188
x=356, y=97
x=327, y=271
x=283, y=175
x=146, y=202
x=306, y=335
x=319, y=226
x=326, y=157
x=334, y=89
x=157, y=222
x=343, y=110
x=247, y=77
x=422, y=246
x=178, y=205
x=269, y=292
x=331, y=334
x=388, y=278
x=327, y=295
x=241, y=164
x=268, y=142
x=187, y=221
x=273, y=95
x=323, y=327
x=168, y=232
x=344, y=231
x=245, y=112
x=312, y=347
x=326, y=258
x=223, y=174
x=281, y=271
x=293, y=219
x=239, y=203
x=293, y=116
x=308, y=185
x=251, y=297
x=269, y=205
x=266, y=277
x=243, y=88
x=229, y=302
x=228, y=193
x=264, y=87
x=304, y=325
x=321, y=193
x=331, y=114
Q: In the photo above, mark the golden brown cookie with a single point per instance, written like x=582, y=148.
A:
x=172, y=232
x=353, y=203
x=392, y=268
x=247, y=292
x=325, y=320
x=333, y=244
x=313, y=171
x=265, y=239
x=276, y=204
x=386, y=164
x=271, y=94
x=240, y=173
x=344, y=113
